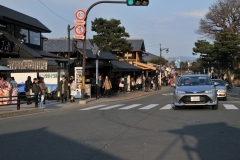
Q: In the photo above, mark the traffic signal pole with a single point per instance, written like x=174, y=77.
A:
x=85, y=42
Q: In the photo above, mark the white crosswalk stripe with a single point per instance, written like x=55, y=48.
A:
x=229, y=106
x=168, y=106
x=92, y=107
x=149, y=106
x=131, y=106
x=110, y=107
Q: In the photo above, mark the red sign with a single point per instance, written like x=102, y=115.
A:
x=79, y=30
x=78, y=37
x=80, y=14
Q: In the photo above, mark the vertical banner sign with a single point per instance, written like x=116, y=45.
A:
x=78, y=81
x=78, y=77
x=96, y=72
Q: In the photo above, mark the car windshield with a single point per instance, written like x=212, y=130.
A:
x=221, y=82
x=194, y=80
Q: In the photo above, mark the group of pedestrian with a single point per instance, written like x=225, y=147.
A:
x=104, y=86
x=8, y=90
x=67, y=89
x=36, y=90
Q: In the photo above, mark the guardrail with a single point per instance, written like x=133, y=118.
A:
x=6, y=101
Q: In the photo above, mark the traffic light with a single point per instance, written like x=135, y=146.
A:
x=137, y=2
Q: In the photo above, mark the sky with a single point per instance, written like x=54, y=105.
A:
x=171, y=23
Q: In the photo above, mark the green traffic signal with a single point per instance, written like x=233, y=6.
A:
x=137, y=2
x=130, y=2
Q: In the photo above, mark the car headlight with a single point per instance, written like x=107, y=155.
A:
x=210, y=91
x=221, y=91
x=180, y=92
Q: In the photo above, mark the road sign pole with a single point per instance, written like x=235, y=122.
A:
x=84, y=40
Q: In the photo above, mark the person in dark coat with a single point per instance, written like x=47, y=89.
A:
x=155, y=81
x=147, y=84
x=100, y=84
x=28, y=89
x=35, y=88
x=63, y=88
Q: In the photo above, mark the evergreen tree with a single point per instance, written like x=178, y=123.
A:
x=110, y=36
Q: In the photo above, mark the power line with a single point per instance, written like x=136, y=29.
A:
x=54, y=12
x=153, y=45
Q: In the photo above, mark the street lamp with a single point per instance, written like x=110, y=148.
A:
x=162, y=49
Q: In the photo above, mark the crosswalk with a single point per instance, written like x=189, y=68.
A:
x=144, y=107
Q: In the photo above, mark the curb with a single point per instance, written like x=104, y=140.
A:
x=20, y=112
x=133, y=97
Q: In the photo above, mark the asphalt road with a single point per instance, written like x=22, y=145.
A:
x=144, y=128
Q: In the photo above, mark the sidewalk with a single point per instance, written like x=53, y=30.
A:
x=51, y=105
x=234, y=92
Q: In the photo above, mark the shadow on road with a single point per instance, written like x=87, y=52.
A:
x=216, y=141
x=41, y=144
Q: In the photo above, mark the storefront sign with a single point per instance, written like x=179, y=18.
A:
x=27, y=64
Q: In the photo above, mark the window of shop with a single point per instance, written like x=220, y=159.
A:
x=34, y=37
x=21, y=34
x=3, y=26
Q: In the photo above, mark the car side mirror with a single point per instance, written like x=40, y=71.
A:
x=215, y=83
x=226, y=85
x=173, y=85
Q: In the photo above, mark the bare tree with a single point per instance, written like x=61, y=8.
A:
x=223, y=16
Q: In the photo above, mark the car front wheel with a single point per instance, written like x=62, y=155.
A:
x=215, y=107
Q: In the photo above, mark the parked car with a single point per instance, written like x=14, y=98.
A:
x=195, y=90
x=221, y=89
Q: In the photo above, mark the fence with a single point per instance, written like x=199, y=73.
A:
x=21, y=99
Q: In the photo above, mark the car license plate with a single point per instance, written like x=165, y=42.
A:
x=195, y=98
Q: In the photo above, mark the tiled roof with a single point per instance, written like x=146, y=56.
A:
x=61, y=45
x=137, y=44
x=149, y=56
x=103, y=55
x=9, y=14
x=46, y=54
x=124, y=66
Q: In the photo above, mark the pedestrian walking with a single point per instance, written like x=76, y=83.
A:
x=36, y=89
x=63, y=88
x=147, y=84
x=28, y=89
x=132, y=84
x=100, y=85
x=6, y=90
x=107, y=86
x=139, y=82
x=72, y=88
x=155, y=81
x=43, y=89
x=14, y=91
x=121, y=84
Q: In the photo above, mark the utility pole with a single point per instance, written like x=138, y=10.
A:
x=68, y=68
x=167, y=50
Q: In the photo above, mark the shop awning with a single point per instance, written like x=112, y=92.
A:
x=144, y=66
x=122, y=66
x=5, y=69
